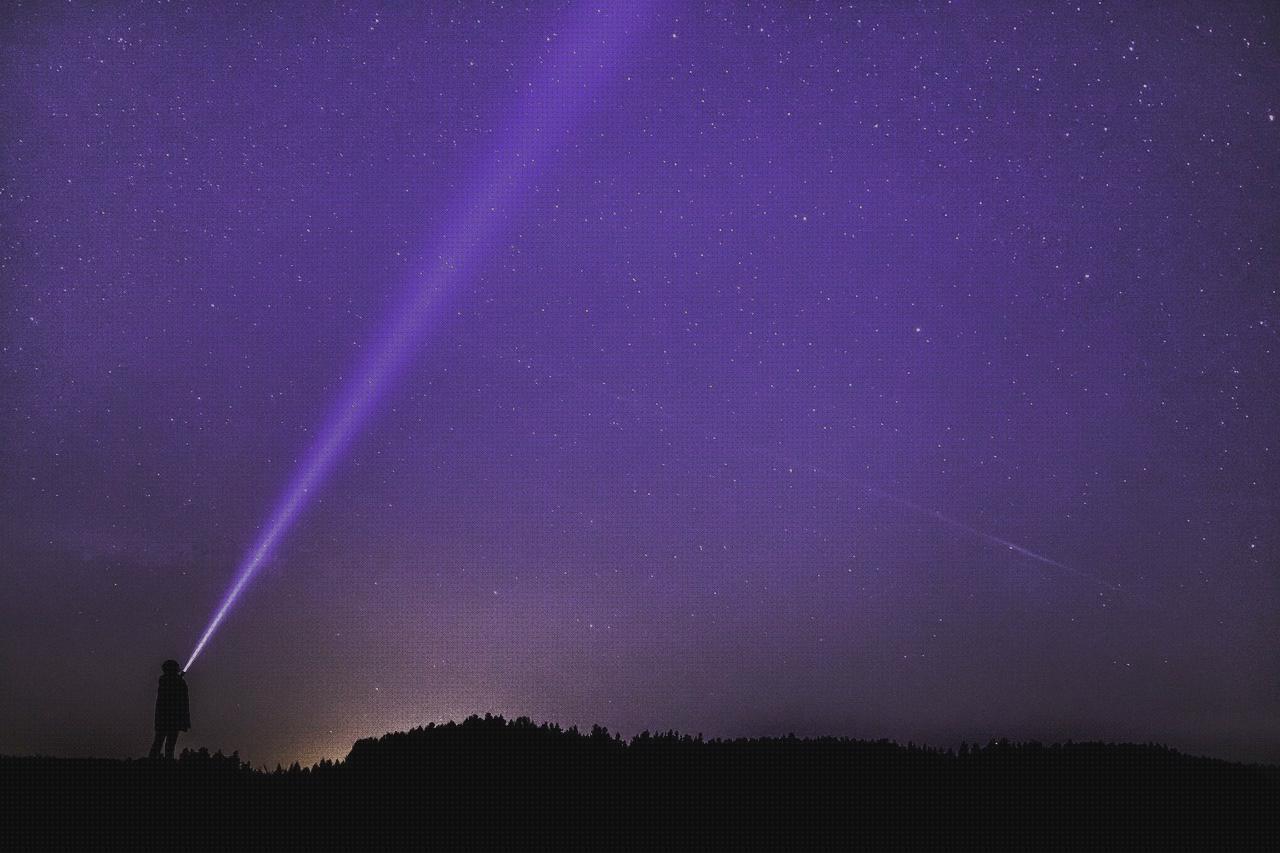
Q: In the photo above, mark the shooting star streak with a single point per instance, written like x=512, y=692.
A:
x=581, y=62
x=637, y=407
x=959, y=525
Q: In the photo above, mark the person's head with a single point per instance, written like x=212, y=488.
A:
x=169, y=667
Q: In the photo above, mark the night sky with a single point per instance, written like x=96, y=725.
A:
x=896, y=370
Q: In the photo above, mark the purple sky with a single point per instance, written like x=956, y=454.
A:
x=794, y=315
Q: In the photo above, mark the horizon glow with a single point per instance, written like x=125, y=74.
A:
x=574, y=71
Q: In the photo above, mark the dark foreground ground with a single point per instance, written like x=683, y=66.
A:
x=505, y=785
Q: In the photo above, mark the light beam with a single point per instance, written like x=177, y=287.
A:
x=578, y=65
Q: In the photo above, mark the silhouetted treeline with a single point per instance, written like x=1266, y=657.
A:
x=489, y=782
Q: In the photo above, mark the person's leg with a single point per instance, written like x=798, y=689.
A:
x=170, y=741
x=156, y=744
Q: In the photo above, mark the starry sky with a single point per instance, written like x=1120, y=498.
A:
x=886, y=369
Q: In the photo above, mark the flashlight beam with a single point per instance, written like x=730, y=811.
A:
x=566, y=82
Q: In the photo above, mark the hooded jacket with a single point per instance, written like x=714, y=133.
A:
x=173, y=714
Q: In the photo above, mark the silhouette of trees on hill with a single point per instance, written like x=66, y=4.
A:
x=488, y=781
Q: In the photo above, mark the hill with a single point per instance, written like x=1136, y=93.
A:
x=489, y=782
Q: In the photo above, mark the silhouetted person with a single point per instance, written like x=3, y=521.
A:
x=173, y=714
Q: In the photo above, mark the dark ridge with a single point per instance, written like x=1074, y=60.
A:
x=489, y=782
